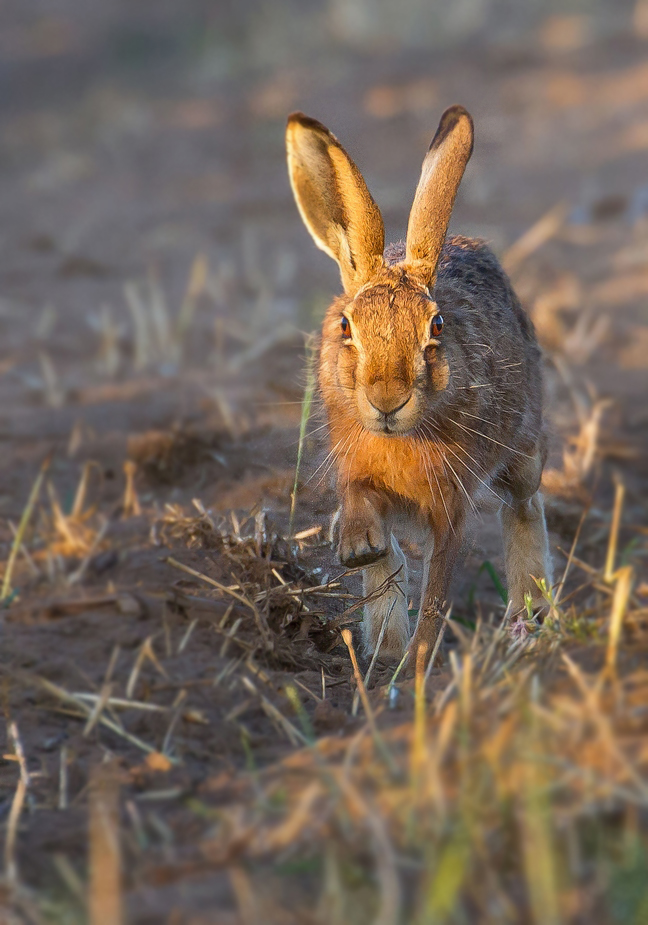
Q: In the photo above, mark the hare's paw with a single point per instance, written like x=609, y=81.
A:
x=362, y=542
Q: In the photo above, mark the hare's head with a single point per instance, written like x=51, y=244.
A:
x=384, y=349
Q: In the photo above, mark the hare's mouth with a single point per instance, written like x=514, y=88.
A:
x=394, y=430
x=394, y=427
x=391, y=422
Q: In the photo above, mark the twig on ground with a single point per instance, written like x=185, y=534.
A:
x=105, y=900
x=10, y=863
x=241, y=598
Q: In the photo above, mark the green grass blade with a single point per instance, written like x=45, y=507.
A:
x=307, y=402
x=489, y=568
x=22, y=527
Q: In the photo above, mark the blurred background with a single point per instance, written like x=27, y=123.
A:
x=157, y=285
x=155, y=273
x=147, y=221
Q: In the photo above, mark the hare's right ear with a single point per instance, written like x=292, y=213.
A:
x=334, y=201
x=441, y=175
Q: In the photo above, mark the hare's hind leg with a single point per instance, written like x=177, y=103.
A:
x=526, y=551
x=524, y=531
x=390, y=605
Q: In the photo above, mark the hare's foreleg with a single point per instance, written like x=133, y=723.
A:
x=366, y=539
x=387, y=579
x=524, y=531
x=442, y=552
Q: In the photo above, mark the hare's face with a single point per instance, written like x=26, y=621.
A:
x=381, y=360
x=390, y=356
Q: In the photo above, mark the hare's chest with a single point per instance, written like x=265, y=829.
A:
x=401, y=467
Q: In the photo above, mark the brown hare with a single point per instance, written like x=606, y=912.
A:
x=431, y=378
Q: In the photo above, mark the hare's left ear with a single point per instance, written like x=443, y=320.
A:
x=334, y=201
x=441, y=175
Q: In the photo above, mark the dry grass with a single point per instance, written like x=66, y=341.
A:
x=507, y=786
x=509, y=796
x=105, y=903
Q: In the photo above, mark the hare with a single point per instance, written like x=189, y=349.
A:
x=431, y=379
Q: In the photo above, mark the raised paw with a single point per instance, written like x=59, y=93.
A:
x=362, y=535
x=361, y=545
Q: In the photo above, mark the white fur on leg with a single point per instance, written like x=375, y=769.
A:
x=526, y=551
x=393, y=603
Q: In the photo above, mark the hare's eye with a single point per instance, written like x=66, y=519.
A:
x=436, y=326
x=346, y=327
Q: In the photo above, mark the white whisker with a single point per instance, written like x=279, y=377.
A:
x=476, y=417
x=484, y=483
x=352, y=439
x=452, y=469
x=436, y=479
x=317, y=429
x=462, y=486
x=329, y=459
x=492, y=440
x=354, y=447
x=472, y=471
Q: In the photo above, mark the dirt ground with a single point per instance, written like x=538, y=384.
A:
x=156, y=287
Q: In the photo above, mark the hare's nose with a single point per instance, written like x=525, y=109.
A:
x=384, y=401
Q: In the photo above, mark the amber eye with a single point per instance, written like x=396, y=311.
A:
x=346, y=327
x=436, y=326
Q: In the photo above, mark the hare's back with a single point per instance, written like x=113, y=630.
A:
x=494, y=340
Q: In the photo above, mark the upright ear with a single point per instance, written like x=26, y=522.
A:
x=334, y=201
x=441, y=175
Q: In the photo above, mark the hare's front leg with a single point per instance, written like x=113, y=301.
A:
x=366, y=539
x=389, y=604
x=524, y=531
x=441, y=554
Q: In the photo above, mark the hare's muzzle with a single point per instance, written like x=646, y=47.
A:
x=385, y=409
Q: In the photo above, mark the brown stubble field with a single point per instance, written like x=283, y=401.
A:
x=184, y=737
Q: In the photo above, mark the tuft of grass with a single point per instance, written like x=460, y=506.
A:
x=158, y=337
x=508, y=787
